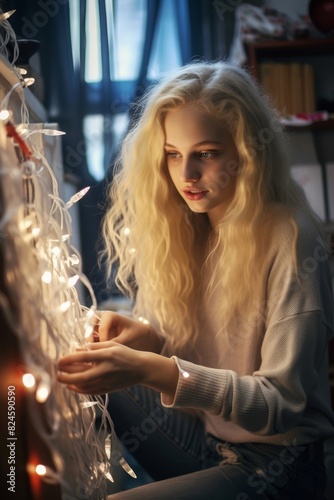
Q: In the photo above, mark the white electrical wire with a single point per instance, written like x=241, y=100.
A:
x=41, y=304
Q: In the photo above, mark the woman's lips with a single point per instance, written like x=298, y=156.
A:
x=194, y=194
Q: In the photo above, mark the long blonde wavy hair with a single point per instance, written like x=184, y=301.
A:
x=167, y=257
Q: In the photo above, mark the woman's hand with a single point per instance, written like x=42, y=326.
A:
x=126, y=331
x=110, y=366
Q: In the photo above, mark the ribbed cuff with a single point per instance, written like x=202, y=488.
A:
x=198, y=387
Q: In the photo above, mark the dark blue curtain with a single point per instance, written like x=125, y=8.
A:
x=202, y=33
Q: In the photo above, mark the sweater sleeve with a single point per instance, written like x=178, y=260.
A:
x=298, y=324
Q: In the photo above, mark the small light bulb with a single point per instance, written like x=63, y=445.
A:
x=124, y=464
x=88, y=331
x=4, y=114
x=76, y=197
x=28, y=380
x=105, y=469
x=36, y=231
x=126, y=231
x=40, y=470
x=74, y=259
x=28, y=81
x=52, y=132
x=47, y=277
x=143, y=320
x=90, y=314
x=65, y=306
x=132, y=251
x=107, y=446
x=56, y=251
x=88, y=404
x=73, y=280
x=43, y=392
x=6, y=15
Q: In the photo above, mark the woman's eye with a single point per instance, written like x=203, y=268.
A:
x=206, y=154
x=172, y=154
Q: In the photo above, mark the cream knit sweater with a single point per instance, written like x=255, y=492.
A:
x=271, y=384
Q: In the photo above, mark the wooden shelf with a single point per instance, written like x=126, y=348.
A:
x=318, y=125
x=286, y=48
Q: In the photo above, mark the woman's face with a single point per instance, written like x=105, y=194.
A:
x=202, y=160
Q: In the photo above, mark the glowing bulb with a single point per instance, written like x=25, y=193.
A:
x=4, y=114
x=53, y=132
x=47, y=277
x=143, y=320
x=124, y=464
x=126, y=231
x=40, y=470
x=90, y=314
x=65, y=237
x=6, y=15
x=25, y=132
x=132, y=251
x=104, y=468
x=43, y=392
x=88, y=404
x=28, y=380
x=88, y=331
x=28, y=81
x=73, y=280
x=56, y=251
x=107, y=446
x=65, y=306
x=36, y=231
x=76, y=197
x=74, y=259
x=185, y=374
x=22, y=71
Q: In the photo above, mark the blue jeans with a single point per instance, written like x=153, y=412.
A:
x=184, y=462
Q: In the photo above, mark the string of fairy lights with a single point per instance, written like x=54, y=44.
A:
x=42, y=270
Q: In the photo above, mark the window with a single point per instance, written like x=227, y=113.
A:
x=125, y=27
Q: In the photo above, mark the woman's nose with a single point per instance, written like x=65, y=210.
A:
x=190, y=171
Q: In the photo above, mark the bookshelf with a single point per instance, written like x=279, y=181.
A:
x=287, y=48
x=289, y=70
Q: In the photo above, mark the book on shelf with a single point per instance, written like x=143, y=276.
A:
x=290, y=86
x=309, y=88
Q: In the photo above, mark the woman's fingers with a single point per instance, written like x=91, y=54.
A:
x=76, y=373
x=95, y=352
x=110, y=325
x=75, y=367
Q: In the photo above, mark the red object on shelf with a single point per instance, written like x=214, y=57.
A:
x=321, y=13
x=11, y=132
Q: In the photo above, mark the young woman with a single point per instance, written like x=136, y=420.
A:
x=233, y=300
